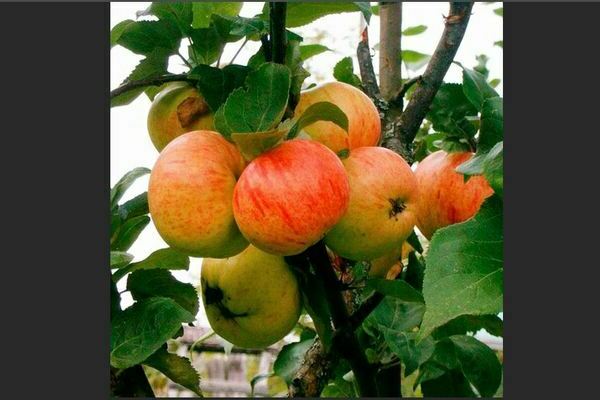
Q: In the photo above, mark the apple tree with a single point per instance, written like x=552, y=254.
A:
x=387, y=305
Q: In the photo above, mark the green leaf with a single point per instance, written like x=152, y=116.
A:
x=142, y=37
x=481, y=66
x=340, y=388
x=311, y=50
x=464, y=273
x=260, y=106
x=450, y=111
x=478, y=364
x=125, y=183
x=256, y=379
x=344, y=72
x=135, y=207
x=414, y=60
x=470, y=324
x=321, y=111
x=396, y=288
x=252, y=28
x=141, y=329
x=178, y=369
x=118, y=30
x=202, y=12
x=405, y=346
x=488, y=164
x=414, y=30
x=476, y=87
x=499, y=11
x=448, y=384
x=492, y=124
x=294, y=61
x=395, y=314
x=178, y=14
x=216, y=84
x=160, y=259
x=119, y=259
x=290, y=358
x=145, y=284
x=155, y=64
x=299, y=14
x=499, y=43
x=129, y=232
x=207, y=44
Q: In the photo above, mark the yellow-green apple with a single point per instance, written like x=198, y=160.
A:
x=190, y=195
x=364, y=125
x=290, y=196
x=445, y=197
x=383, y=202
x=252, y=300
x=177, y=109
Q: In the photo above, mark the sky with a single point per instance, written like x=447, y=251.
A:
x=130, y=146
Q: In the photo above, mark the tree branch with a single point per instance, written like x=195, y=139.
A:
x=367, y=73
x=277, y=15
x=390, y=63
x=399, y=139
x=150, y=82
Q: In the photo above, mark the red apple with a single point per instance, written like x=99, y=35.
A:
x=383, y=204
x=364, y=125
x=445, y=197
x=290, y=196
x=177, y=109
x=190, y=195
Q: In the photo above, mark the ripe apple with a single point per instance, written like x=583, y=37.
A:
x=383, y=202
x=445, y=197
x=190, y=192
x=290, y=196
x=252, y=299
x=177, y=109
x=364, y=125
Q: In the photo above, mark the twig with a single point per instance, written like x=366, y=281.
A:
x=367, y=73
x=407, y=85
x=150, y=82
x=238, y=51
x=184, y=60
x=365, y=309
x=345, y=341
x=390, y=62
x=277, y=15
x=400, y=137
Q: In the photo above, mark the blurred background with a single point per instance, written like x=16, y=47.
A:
x=226, y=371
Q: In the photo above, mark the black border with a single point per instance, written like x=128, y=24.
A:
x=55, y=182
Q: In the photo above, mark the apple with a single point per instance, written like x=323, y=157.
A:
x=252, y=299
x=364, y=124
x=380, y=266
x=190, y=195
x=383, y=203
x=445, y=197
x=290, y=196
x=177, y=109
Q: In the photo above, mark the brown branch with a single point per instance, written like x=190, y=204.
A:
x=400, y=137
x=314, y=373
x=150, y=82
x=390, y=63
x=367, y=73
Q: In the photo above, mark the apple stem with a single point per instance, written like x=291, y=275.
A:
x=345, y=340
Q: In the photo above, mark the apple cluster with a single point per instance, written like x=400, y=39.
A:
x=243, y=216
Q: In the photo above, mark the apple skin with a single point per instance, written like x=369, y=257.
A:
x=252, y=300
x=290, y=196
x=190, y=195
x=383, y=203
x=364, y=125
x=445, y=198
x=175, y=100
